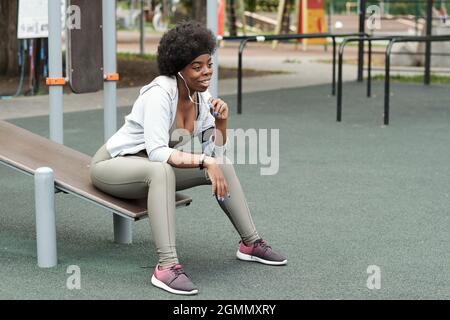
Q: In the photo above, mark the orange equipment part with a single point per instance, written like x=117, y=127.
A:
x=55, y=81
x=112, y=77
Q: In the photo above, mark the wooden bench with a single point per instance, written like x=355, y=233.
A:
x=28, y=152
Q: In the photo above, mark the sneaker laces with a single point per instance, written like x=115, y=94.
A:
x=177, y=270
x=263, y=244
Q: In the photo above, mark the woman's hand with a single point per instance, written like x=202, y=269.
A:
x=219, y=108
x=219, y=184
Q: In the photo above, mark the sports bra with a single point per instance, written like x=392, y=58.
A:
x=185, y=135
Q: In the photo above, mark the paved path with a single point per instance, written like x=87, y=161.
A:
x=302, y=69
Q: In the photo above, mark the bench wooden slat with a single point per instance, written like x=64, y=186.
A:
x=28, y=151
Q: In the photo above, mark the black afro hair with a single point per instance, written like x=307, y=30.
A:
x=181, y=45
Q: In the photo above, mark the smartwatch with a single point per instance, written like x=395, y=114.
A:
x=202, y=160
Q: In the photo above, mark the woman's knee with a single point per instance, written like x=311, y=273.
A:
x=161, y=171
x=102, y=154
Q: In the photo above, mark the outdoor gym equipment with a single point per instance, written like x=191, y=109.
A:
x=85, y=52
x=245, y=39
x=392, y=40
x=57, y=168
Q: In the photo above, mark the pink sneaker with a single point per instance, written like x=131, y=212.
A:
x=259, y=251
x=173, y=280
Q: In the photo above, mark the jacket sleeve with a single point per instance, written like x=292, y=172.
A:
x=207, y=137
x=157, y=120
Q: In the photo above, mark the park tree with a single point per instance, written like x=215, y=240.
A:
x=8, y=37
x=199, y=10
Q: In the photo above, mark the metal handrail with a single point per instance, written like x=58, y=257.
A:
x=388, y=65
x=245, y=39
x=392, y=40
x=340, y=63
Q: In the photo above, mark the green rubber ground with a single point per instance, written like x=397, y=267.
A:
x=347, y=196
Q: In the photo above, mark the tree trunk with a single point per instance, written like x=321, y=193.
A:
x=8, y=37
x=199, y=11
x=231, y=10
x=285, y=26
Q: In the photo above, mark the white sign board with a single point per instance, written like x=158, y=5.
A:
x=33, y=18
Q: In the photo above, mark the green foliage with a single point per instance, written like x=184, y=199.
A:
x=435, y=78
x=393, y=7
x=264, y=5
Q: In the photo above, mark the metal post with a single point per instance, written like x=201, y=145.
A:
x=109, y=66
x=387, y=83
x=369, y=71
x=142, y=30
x=212, y=25
x=241, y=50
x=123, y=228
x=55, y=70
x=44, y=190
x=123, y=232
x=362, y=30
x=333, y=81
x=339, y=93
x=428, y=43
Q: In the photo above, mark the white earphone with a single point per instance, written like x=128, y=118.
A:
x=189, y=91
x=215, y=114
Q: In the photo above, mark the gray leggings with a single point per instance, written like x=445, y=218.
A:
x=135, y=177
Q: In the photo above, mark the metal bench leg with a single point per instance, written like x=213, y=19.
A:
x=44, y=185
x=123, y=230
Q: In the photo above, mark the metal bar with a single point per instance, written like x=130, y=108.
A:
x=362, y=28
x=387, y=86
x=211, y=9
x=293, y=36
x=241, y=50
x=411, y=53
x=245, y=39
x=123, y=232
x=399, y=1
x=397, y=39
x=333, y=85
x=387, y=66
x=55, y=71
x=109, y=67
x=341, y=58
x=406, y=71
x=44, y=188
x=339, y=92
x=369, y=71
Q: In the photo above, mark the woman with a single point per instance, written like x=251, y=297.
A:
x=142, y=160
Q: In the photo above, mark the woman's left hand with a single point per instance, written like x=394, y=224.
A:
x=219, y=108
